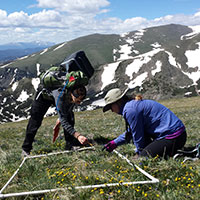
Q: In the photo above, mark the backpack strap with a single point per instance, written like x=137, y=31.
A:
x=128, y=135
x=63, y=89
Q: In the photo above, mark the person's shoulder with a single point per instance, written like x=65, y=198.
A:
x=130, y=105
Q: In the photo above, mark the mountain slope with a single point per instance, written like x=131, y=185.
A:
x=158, y=62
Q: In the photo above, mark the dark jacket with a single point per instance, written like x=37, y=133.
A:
x=65, y=110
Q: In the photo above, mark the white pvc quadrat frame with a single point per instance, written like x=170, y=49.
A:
x=152, y=179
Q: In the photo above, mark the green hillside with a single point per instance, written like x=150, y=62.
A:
x=97, y=47
x=177, y=180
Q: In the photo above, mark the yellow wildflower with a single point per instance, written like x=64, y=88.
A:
x=101, y=191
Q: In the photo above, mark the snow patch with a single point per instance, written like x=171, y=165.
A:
x=196, y=31
x=138, y=61
x=124, y=51
x=60, y=46
x=158, y=68
x=108, y=74
x=23, y=96
x=193, y=62
x=193, y=57
x=51, y=111
x=172, y=60
x=3, y=66
x=138, y=80
x=22, y=58
x=140, y=33
x=14, y=86
x=35, y=82
x=38, y=68
x=99, y=102
x=44, y=51
x=136, y=51
x=4, y=100
x=188, y=93
x=98, y=94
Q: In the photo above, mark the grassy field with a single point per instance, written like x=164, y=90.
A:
x=178, y=180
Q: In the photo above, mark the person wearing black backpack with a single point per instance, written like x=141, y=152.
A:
x=63, y=89
x=66, y=103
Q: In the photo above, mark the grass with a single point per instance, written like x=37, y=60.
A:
x=178, y=180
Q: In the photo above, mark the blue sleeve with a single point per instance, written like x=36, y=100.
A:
x=64, y=112
x=120, y=139
x=136, y=122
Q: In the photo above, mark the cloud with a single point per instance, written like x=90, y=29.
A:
x=197, y=14
x=46, y=18
x=64, y=20
x=19, y=30
x=17, y=18
x=75, y=6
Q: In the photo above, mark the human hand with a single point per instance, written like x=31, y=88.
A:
x=82, y=139
x=110, y=146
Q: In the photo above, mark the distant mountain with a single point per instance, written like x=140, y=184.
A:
x=13, y=51
x=159, y=62
x=26, y=45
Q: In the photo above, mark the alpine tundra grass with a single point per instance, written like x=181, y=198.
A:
x=178, y=180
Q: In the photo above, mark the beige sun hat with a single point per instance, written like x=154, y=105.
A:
x=112, y=96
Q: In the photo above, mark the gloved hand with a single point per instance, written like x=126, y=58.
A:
x=110, y=146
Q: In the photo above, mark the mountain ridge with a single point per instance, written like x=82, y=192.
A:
x=158, y=62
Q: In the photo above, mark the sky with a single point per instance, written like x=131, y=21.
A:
x=63, y=20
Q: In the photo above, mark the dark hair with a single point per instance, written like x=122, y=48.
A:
x=79, y=90
x=127, y=98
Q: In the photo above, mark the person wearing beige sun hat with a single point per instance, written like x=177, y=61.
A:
x=153, y=128
x=112, y=96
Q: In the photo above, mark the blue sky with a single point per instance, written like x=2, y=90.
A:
x=63, y=20
x=151, y=9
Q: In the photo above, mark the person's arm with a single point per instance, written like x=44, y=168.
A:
x=63, y=109
x=135, y=120
x=82, y=139
x=120, y=140
x=110, y=146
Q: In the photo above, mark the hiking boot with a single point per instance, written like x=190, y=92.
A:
x=72, y=146
x=68, y=147
x=25, y=154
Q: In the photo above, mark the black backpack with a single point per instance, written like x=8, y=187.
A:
x=78, y=61
x=74, y=70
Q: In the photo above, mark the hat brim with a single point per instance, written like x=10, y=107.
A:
x=107, y=107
